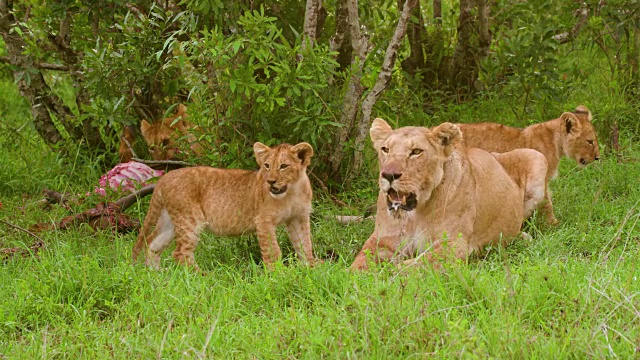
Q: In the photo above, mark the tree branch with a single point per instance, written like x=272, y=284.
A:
x=41, y=66
x=384, y=78
x=565, y=37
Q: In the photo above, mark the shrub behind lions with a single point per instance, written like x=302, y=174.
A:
x=434, y=192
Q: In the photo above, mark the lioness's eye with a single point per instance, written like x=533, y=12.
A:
x=385, y=150
x=283, y=166
x=416, y=152
x=266, y=166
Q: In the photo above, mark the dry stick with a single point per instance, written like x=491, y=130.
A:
x=163, y=162
x=133, y=153
x=128, y=200
x=22, y=229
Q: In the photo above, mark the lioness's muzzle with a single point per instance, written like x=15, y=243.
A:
x=398, y=200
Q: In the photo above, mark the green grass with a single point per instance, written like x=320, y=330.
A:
x=570, y=292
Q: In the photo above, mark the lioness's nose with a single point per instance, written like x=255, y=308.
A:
x=390, y=176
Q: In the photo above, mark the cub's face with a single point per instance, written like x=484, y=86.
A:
x=581, y=142
x=162, y=137
x=411, y=161
x=281, y=166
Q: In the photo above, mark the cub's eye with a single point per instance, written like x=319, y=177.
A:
x=385, y=150
x=590, y=142
x=266, y=166
x=416, y=152
x=283, y=166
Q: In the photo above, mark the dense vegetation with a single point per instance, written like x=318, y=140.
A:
x=250, y=72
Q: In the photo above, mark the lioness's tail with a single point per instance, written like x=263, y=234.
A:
x=149, y=224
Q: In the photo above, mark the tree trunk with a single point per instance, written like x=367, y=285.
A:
x=437, y=12
x=340, y=42
x=349, y=118
x=384, y=78
x=459, y=73
x=310, y=23
x=415, y=61
x=360, y=46
x=30, y=80
x=484, y=36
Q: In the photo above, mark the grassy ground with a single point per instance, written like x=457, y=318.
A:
x=571, y=291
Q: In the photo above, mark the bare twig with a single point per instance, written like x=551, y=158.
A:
x=133, y=153
x=128, y=200
x=22, y=229
x=163, y=162
x=42, y=66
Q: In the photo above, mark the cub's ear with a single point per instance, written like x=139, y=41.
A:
x=145, y=128
x=583, y=109
x=182, y=110
x=571, y=122
x=304, y=152
x=447, y=135
x=379, y=132
x=261, y=152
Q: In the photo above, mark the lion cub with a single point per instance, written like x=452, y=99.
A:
x=163, y=137
x=571, y=135
x=231, y=202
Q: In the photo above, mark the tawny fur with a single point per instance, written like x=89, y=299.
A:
x=165, y=138
x=464, y=198
x=232, y=202
x=571, y=135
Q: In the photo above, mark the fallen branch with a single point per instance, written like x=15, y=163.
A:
x=103, y=216
x=163, y=162
x=32, y=250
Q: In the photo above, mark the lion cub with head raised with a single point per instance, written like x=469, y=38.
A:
x=231, y=202
x=571, y=135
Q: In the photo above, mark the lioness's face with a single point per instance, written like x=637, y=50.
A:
x=411, y=161
x=282, y=166
x=582, y=143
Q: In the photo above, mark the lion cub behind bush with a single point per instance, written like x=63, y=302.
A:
x=232, y=202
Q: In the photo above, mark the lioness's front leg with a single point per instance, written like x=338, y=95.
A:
x=266, y=231
x=299, y=232
x=379, y=249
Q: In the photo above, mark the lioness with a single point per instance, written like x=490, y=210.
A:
x=163, y=137
x=232, y=202
x=571, y=135
x=435, y=192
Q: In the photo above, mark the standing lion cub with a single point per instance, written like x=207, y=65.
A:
x=232, y=202
x=571, y=135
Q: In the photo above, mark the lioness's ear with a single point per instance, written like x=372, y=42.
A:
x=261, y=151
x=571, y=122
x=447, y=135
x=583, y=109
x=304, y=152
x=379, y=132
x=145, y=127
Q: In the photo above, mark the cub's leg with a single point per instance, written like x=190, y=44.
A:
x=548, y=207
x=378, y=249
x=299, y=232
x=266, y=231
x=188, y=227
x=162, y=237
